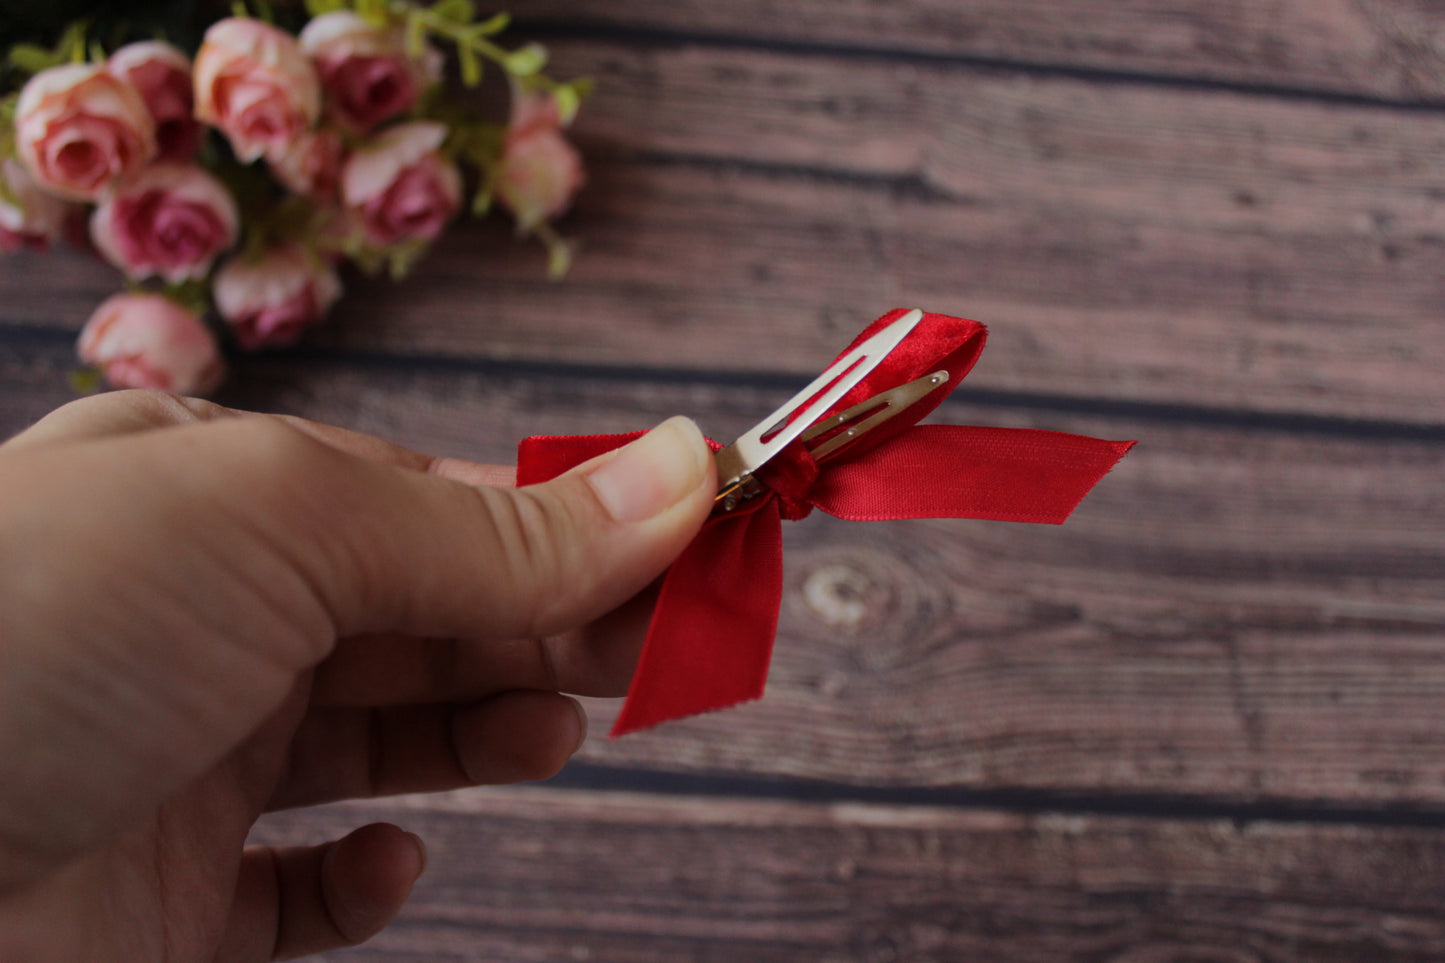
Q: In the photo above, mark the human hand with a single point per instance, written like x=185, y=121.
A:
x=206, y=614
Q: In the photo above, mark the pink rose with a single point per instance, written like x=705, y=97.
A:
x=32, y=218
x=78, y=129
x=170, y=220
x=253, y=82
x=400, y=186
x=540, y=170
x=162, y=75
x=312, y=165
x=269, y=301
x=365, y=70
x=149, y=341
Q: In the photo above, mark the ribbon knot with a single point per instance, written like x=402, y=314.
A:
x=711, y=635
x=790, y=478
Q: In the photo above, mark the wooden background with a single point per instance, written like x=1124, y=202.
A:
x=1205, y=720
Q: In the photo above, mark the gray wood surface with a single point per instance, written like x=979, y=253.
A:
x=1205, y=719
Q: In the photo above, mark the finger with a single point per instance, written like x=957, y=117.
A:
x=116, y=413
x=360, y=753
x=295, y=901
x=596, y=659
x=127, y=412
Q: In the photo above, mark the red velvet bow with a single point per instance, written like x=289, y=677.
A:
x=711, y=636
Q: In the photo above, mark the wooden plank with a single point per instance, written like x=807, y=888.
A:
x=1371, y=48
x=1231, y=615
x=752, y=209
x=533, y=875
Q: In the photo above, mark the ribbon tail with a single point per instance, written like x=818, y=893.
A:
x=711, y=636
x=956, y=471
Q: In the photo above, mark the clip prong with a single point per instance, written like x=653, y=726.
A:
x=892, y=402
x=737, y=462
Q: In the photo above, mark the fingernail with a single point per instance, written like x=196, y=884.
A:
x=653, y=473
x=581, y=725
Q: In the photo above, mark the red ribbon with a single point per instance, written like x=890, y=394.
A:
x=711, y=636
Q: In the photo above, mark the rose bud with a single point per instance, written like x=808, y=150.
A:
x=253, y=82
x=268, y=301
x=145, y=340
x=311, y=166
x=78, y=129
x=540, y=171
x=31, y=217
x=170, y=220
x=399, y=185
x=162, y=75
x=365, y=70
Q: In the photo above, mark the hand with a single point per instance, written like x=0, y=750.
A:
x=206, y=614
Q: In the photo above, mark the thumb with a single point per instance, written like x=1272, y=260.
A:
x=500, y=563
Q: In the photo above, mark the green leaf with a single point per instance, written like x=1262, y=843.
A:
x=316, y=8
x=482, y=200
x=71, y=47
x=559, y=259
x=454, y=11
x=85, y=381
x=493, y=25
x=32, y=58
x=568, y=101
x=415, y=34
x=526, y=61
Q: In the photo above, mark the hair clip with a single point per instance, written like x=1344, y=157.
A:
x=716, y=614
x=737, y=463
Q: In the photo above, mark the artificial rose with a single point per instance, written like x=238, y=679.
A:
x=540, y=171
x=170, y=220
x=78, y=129
x=365, y=70
x=162, y=75
x=268, y=301
x=312, y=165
x=400, y=186
x=253, y=81
x=29, y=217
x=144, y=340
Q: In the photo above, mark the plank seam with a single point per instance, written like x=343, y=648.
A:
x=657, y=37
x=590, y=777
x=783, y=382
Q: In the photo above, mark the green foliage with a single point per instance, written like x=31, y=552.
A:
x=86, y=380
x=32, y=58
x=315, y=8
x=526, y=61
x=461, y=12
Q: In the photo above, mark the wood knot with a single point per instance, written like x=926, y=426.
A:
x=838, y=595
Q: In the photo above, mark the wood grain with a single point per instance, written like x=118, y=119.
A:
x=1231, y=615
x=1373, y=48
x=1146, y=245
x=533, y=875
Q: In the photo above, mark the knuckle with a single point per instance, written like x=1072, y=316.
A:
x=535, y=535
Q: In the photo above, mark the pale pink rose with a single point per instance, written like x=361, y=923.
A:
x=365, y=70
x=400, y=186
x=145, y=340
x=78, y=129
x=312, y=165
x=162, y=75
x=270, y=300
x=170, y=220
x=34, y=218
x=253, y=81
x=540, y=171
